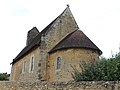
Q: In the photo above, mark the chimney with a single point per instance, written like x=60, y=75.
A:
x=31, y=35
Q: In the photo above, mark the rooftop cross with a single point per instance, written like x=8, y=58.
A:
x=68, y=5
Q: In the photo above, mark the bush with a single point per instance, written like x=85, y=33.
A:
x=4, y=76
x=103, y=70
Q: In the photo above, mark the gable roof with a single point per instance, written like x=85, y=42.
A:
x=76, y=39
x=37, y=40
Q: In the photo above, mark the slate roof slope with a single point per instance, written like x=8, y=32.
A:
x=36, y=41
x=76, y=39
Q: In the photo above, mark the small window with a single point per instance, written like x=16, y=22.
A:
x=31, y=69
x=58, y=63
x=24, y=67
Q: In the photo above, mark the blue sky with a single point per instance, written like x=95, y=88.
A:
x=98, y=19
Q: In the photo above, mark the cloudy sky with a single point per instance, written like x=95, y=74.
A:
x=98, y=19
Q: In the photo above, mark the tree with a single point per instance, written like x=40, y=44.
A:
x=103, y=70
x=4, y=76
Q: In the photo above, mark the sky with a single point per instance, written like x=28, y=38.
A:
x=98, y=19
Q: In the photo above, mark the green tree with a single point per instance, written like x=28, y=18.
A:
x=103, y=70
x=4, y=76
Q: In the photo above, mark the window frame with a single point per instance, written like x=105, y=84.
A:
x=31, y=67
x=24, y=67
x=58, y=63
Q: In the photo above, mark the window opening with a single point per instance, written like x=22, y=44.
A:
x=32, y=64
x=24, y=67
x=58, y=63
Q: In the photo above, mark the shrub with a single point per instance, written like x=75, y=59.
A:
x=4, y=76
x=103, y=70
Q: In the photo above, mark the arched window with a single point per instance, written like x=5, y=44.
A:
x=58, y=63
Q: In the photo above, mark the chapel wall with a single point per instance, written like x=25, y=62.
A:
x=17, y=73
x=69, y=58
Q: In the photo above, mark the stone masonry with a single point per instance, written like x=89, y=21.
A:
x=88, y=85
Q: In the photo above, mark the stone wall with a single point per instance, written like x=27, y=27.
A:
x=62, y=26
x=60, y=86
x=17, y=69
x=69, y=58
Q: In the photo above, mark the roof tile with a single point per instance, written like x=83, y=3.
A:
x=76, y=39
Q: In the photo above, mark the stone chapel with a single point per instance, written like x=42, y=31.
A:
x=49, y=54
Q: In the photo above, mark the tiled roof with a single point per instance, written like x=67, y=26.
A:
x=76, y=39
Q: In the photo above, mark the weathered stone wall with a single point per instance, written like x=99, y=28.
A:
x=62, y=26
x=60, y=86
x=18, y=74
x=69, y=58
